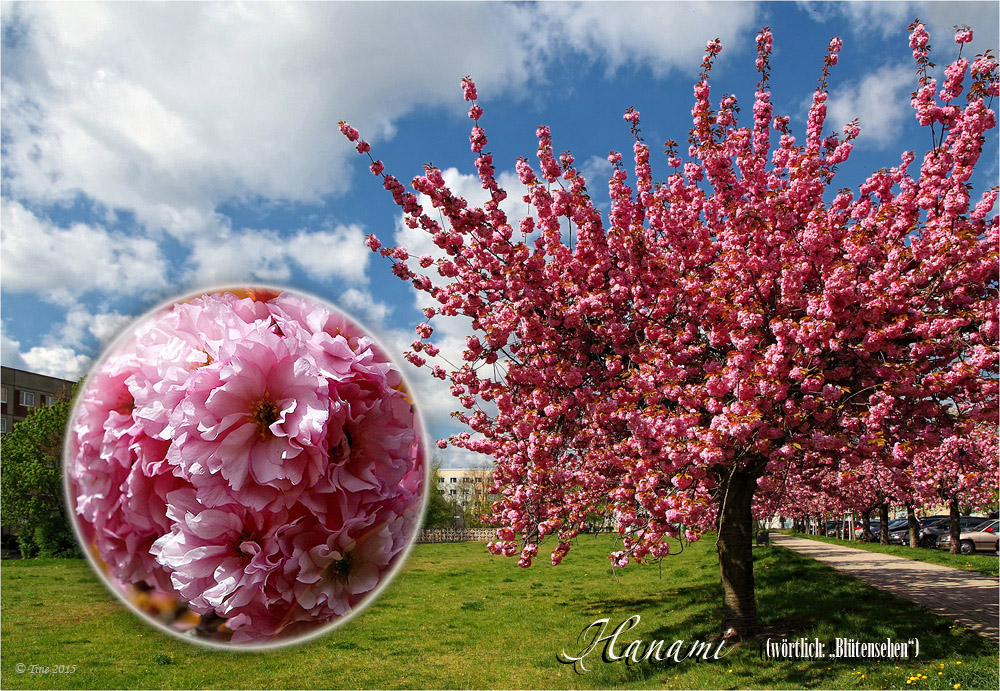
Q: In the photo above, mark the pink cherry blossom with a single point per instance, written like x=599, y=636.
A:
x=735, y=338
x=254, y=454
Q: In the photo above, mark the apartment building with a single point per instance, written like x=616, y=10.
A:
x=21, y=391
x=465, y=486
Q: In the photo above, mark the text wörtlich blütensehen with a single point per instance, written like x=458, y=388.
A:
x=844, y=648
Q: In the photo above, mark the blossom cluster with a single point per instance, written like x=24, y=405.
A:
x=253, y=453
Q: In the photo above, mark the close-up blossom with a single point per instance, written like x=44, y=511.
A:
x=255, y=455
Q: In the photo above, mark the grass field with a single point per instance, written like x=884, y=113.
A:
x=983, y=563
x=456, y=617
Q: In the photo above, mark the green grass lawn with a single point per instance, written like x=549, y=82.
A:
x=983, y=563
x=456, y=617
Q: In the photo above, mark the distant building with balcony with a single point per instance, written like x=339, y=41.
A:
x=21, y=391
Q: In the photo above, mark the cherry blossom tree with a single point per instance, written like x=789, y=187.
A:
x=960, y=469
x=872, y=489
x=736, y=325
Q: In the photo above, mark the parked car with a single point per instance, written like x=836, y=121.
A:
x=902, y=535
x=985, y=537
x=929, y=536
x=873, y=527
x=834, y=528
x=897, y=523
x=894, y=525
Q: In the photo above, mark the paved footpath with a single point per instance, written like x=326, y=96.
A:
x=968, y=597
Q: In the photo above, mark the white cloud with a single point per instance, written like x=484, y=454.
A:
x=80, y=323
x=106, y=326
x=886, y=18
x=597, y=170
x=55, y=361
x=338, y=252
x=169, y=109
x=265, y=255
x=662, y=35
x=942, y=17
x=234, y=257
x=361, y=303
x=462, y=458
x=74, y=327
x=890, y=19
x=40, y=256
x=879, y=101
x=10, y=353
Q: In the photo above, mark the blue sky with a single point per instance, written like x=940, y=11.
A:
x=153, y=149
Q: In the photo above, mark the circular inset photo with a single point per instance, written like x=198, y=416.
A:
x=246, y=467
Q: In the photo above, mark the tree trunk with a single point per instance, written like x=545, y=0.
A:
x=955, y=525
x=883, y=518
x=739, y=608
x=911, y=523
x=866, y=529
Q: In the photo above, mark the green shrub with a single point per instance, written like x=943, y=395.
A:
x=31, y=487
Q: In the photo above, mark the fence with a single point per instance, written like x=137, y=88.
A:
x=457, y=535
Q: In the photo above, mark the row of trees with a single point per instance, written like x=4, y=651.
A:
x=33, y=504
x=740, y=337
x=960, y=473
x=32, y=500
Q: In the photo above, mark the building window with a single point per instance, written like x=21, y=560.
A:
x=51, y=400
x=3, y=393
x=3, y=423
x=453, y=491
x=454, y=479
x=27, y=399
